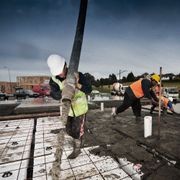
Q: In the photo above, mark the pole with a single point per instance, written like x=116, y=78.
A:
x=120, y=72
x=10, y=80
x=9, y=77
x=69, y=87
x=159, y=109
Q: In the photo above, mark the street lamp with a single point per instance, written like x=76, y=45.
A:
x=9, y=77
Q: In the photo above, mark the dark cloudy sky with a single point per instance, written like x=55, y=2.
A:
x=133, y=35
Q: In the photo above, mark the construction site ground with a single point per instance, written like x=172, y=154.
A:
x=114, y=148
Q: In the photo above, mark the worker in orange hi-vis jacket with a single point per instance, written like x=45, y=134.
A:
x=136, y=91
x=166, y=104
x=156, y=89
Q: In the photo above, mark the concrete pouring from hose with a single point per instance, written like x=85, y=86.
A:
x=68, y=91
x=69, y=87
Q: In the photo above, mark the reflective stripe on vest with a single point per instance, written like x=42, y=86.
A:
x=136, y=87
x=79, y=102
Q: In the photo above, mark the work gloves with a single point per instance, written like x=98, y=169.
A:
x=77, y=85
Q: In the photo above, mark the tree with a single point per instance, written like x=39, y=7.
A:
x=90, y=78
x=130, y=77
x=124, y=79
x=97, y=83
x=112, y=78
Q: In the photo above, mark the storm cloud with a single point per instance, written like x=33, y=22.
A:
x=134, y=35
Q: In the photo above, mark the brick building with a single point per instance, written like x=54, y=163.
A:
x=7, y=87
x=27, y=82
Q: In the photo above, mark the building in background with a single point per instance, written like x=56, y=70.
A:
x=7, y=87
x=27, y=82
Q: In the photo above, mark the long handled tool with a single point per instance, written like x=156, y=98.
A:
x=69, y=88
x=159, y=109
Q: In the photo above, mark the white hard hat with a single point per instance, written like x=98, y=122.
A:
x=117, y=86
x=56, y=64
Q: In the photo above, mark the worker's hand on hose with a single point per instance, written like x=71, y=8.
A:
x=76, y=75
x=77, y=85
x=68, y=91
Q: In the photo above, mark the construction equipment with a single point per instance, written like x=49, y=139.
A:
x=69, y=86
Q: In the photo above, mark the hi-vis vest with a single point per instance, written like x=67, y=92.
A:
x=79, y=104
x=136, y=87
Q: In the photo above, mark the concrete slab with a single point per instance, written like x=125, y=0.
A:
x=7, y=107
x=109, y=139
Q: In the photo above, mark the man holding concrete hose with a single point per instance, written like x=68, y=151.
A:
x=136, y=91
x=79, y=105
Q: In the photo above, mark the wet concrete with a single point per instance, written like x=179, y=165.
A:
x=124, y=136
x=7, y=107
x=46, y=105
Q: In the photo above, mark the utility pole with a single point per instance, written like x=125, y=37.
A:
x=9, y=77
x=120, y=73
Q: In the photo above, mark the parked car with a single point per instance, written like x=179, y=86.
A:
x=3, y=96
x=31, y=93
x=42, y=89
x=171, y=92
x=25, y=93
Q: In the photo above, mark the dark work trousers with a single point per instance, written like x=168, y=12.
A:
x=75, y=126
x=127, y=102
x=152, y=108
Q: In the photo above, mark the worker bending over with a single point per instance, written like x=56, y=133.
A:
x=79, y=105
x=166, y=103
x=136, y=91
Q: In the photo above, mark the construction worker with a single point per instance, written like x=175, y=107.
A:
x=156, y=89
x=79, y=105
x=136, y=91
x=166, y=104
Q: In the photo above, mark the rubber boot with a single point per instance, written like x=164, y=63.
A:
x=164, y=111
x=76, y=149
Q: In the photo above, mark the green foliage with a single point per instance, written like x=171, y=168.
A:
x=104, y=84
x=130, y=77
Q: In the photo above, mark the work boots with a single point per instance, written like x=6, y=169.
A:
x=76, y=149
x=151, y=111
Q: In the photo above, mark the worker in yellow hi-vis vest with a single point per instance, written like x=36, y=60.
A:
x=79, y=105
